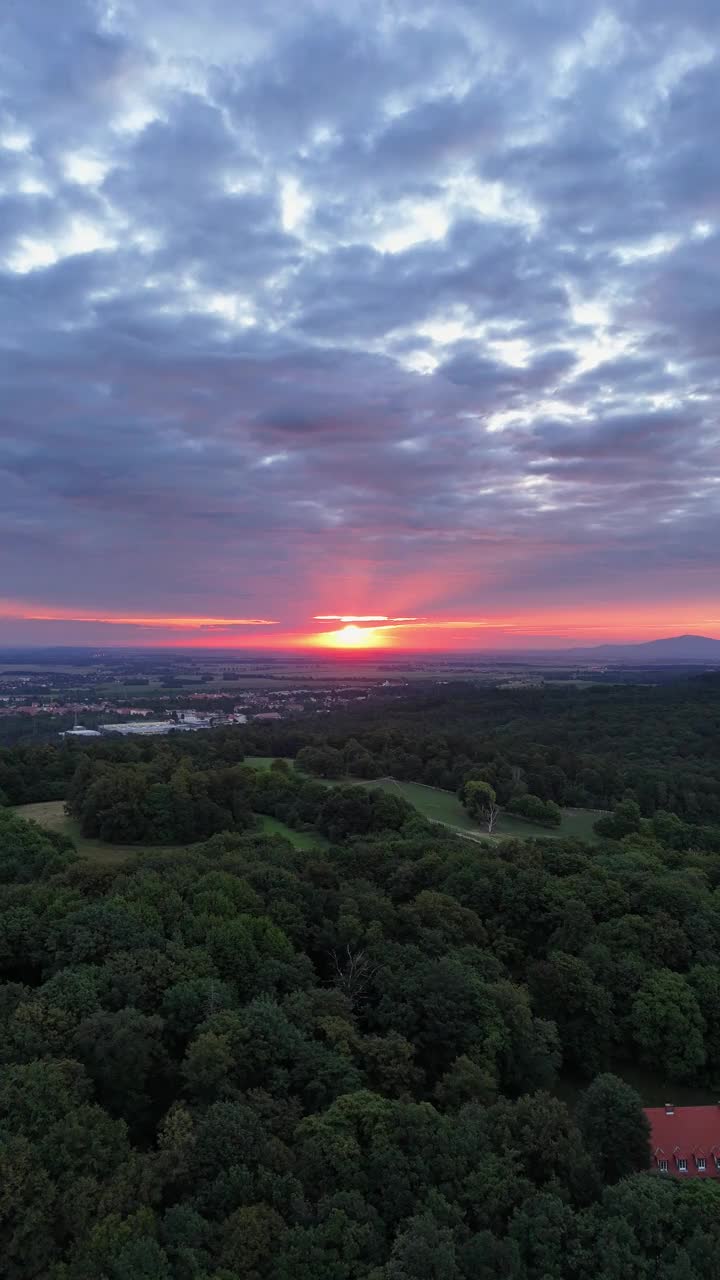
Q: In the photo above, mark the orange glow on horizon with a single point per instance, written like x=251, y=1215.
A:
x=556, y=627
x=351, y=637
x=30, y=613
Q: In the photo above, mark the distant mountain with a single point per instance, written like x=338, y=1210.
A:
x=671, y=649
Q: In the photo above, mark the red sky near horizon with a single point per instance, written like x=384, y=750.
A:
x=354, y=632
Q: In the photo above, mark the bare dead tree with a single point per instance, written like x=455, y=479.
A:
x=491, y=813
x=354, y=972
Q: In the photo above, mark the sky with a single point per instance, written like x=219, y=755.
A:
x=397, y=309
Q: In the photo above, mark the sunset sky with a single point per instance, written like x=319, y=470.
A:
x=389, y=315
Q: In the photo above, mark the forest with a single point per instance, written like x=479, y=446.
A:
x=255, y=1061
x=396, y=1055
x=658, y=747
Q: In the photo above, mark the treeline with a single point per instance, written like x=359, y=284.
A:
x=575, y=747
x=167, y=801
x=253, y=1061
x=596, y=748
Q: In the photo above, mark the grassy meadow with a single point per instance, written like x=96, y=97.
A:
x=51, y=815
x=432, y=803
x=444, y=806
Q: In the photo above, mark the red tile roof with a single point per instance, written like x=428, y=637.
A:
x=686, y=1133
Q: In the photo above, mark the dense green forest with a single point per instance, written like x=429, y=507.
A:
x=594, y=747
x=253, y=1061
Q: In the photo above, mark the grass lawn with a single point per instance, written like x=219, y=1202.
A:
x=301, y=839
x=444, y=806
x=50, y=814
x=440, y=806
x=576, y=824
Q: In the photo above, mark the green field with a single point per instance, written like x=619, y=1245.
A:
x=301, y=839
x=51, y=815
x=439, y=806
x=444, y=806
x=432, y=803
x=577, y=824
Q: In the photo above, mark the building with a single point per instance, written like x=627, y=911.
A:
x=154, y=728
x=685, y=1140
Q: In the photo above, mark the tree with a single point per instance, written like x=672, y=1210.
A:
x=704, y=981
x=186, y=1004
x=614, y=1126
x=123, y=1053
x=544, y=1230
x=565, y=991
x=667, y=1025
x=534, y=809
x=325, y=762
x=36, y=1094
x=27, y=1202
x=207, y=1064
x=465, y=1081
x=28, y=853
x=353, y=972
x=480, y=801
x=358, y=760
x=250, y=1238
x=423, y=1250
x=625, y=819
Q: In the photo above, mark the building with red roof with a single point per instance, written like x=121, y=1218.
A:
x=685, y=1140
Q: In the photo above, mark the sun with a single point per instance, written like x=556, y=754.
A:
x=351, y=637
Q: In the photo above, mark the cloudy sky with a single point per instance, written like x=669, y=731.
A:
x=382, y=307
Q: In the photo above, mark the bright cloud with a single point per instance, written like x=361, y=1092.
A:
x=434, y=327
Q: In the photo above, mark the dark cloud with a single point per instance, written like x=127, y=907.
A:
x=392, y=300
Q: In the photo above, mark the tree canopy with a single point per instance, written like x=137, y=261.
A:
x=254, y=1060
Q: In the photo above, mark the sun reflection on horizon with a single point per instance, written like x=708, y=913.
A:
x=352, y=636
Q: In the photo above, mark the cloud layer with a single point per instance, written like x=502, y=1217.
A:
x=377, y=308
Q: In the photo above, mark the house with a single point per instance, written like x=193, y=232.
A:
x=685, y=1140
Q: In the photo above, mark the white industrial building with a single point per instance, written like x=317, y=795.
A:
x=155, y=728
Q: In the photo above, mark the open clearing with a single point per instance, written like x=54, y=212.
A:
x=444, y=806
x=51, y=815
x=432, y=803
x=301, y=839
